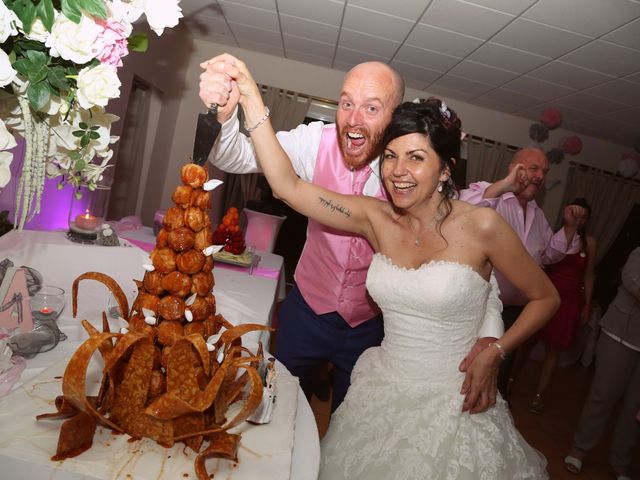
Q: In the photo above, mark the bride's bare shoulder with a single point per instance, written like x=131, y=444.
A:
x=480, y=220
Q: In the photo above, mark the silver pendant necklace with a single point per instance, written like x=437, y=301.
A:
x=428, y=228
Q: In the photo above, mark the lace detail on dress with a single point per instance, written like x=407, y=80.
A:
x=402, y=416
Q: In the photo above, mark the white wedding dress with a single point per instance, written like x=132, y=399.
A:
x=402, y=416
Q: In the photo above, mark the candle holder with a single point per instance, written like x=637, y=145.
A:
x=47, y=303
x=87, y=212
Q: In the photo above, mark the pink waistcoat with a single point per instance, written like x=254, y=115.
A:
x=332, y=269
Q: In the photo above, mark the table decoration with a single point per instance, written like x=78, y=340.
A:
x=59, y=64
x=15, y=313
x=48, y=303
x=87, y=212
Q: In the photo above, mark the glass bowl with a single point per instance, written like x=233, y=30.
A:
x=48, y=303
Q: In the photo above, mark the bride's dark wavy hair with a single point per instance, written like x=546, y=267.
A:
x=441, y=125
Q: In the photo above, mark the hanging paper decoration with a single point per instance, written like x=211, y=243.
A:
x=551, y=118
x=538, y=132
x=571, y=145
x=555, y=155
x=629, y=164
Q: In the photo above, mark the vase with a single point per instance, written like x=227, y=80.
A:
x=87, y=213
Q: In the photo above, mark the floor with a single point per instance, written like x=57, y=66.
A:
x=551, y=432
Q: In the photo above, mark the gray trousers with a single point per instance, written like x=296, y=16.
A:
x=617, y=378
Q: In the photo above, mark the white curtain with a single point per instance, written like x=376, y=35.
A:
x=487, y=160
x=611, y=198
x=288, y=110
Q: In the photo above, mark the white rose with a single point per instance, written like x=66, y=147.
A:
x=7, y=73
x=53, y=106
x=9, y=23
x=162, y=14
x=73, y=41
x=38, y=32
x=122, y=13
x=7, y=140
x=97, y=85
x=5, y=171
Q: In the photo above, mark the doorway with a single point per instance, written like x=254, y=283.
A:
x=132, y=163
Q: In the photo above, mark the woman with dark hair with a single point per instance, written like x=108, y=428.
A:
x=574, y=278
x=402, y=416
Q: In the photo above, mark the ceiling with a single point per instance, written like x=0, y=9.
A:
x=514, y=56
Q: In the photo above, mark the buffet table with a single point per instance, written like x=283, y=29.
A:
x=240, y=297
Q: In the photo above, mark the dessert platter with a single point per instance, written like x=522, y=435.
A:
x=169, y=395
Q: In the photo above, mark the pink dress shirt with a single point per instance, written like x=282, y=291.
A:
x=542, y=244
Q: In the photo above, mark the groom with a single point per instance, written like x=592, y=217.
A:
x=328, y=315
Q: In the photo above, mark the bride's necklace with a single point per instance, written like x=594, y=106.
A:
x=426, y=229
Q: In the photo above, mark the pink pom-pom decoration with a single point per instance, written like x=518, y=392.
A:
x=551, y=118
x=629, y=164
x=571, y=145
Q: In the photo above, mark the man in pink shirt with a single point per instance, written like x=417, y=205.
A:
x=513, y=197
x=328, y=315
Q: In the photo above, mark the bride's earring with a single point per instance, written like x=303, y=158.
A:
x=439, y=189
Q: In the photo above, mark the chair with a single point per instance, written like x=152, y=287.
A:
x=262, y=229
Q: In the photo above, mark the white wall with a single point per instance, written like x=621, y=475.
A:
x=177, y=127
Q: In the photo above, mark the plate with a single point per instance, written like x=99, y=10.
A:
x=245, y=259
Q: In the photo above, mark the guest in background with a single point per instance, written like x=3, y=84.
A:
x=573, y=277
x=513, y=197
x=616, y=380
x=328, y=315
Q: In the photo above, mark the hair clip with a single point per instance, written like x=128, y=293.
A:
x=445, y=111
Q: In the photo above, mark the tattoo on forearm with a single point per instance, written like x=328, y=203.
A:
x=334, y=207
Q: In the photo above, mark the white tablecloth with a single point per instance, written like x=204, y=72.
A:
x=240, y=297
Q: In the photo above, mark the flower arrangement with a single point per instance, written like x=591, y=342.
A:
x=58, y=71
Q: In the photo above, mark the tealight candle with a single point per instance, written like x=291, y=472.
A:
x=46, y=311
x=86, y=221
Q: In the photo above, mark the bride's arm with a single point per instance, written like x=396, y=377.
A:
x=507, y=254
x=344, y=212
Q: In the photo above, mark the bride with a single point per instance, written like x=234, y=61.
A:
x=402, y=417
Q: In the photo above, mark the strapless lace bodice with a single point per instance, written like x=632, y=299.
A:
x=402, y=416
x=432, y=314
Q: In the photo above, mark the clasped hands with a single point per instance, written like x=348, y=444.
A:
x=224, y=82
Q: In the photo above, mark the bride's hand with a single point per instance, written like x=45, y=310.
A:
x=238, y=73
x=480, y=385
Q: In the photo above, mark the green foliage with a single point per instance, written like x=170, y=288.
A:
x=138, y=42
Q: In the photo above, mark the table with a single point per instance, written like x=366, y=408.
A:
x=240, y=297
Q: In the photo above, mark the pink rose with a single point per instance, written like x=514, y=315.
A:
x=111, y=43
